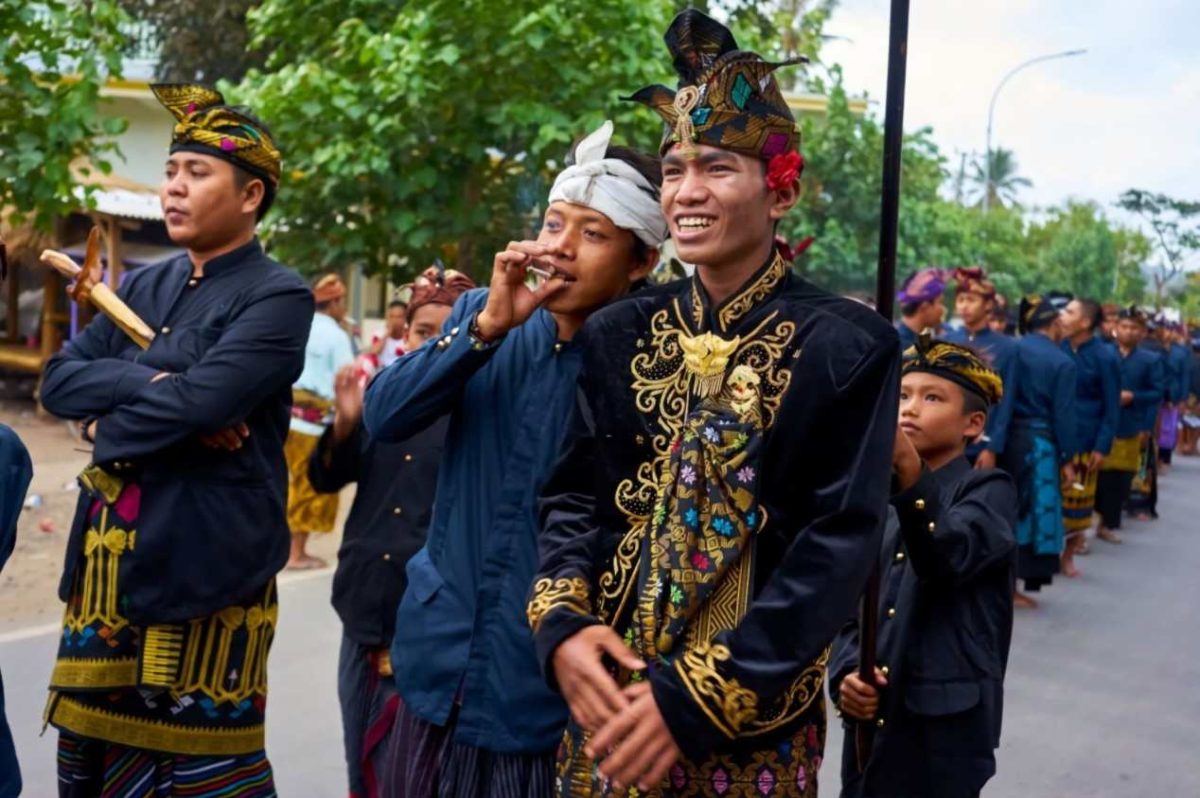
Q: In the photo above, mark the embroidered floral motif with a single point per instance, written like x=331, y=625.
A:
x=550, y=594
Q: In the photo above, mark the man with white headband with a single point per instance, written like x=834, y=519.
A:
x=476, y=716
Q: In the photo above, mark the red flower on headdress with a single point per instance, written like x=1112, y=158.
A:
x=784, y=169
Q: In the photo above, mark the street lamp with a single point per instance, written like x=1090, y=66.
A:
x=987, y=153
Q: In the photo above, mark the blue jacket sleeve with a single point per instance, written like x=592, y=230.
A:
x=1110, y=385
x=1152, y=389
x=997, y=424
x=259, y=353
x=416, y=390
x=1065, y=432
x=87, y=378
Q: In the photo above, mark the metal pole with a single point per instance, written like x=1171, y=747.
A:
x=885, y=297
x=987, y=153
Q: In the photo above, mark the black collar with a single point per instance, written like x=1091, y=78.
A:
x=760, y=285
x=233, y=258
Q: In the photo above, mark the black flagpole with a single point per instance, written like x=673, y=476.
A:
x=885, y=294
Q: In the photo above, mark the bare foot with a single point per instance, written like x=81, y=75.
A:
x=1068, y=568
x=1085, y=548
x=1108, y=535
x=1142, y=517
x=1022, y=601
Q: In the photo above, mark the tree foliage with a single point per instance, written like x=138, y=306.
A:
x=204, y=42
x=431, y=129
x=1001, y=182
x=54, y=59
x=1176, y=227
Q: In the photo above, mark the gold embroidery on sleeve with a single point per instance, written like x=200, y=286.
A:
x=727, y=704
x=550, y=594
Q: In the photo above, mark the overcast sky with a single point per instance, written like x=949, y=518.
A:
x=1126, y=114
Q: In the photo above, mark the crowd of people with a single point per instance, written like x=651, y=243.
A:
x=608, y=538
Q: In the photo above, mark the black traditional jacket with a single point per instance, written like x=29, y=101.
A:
x=945, y=623
x=387, y=524
x=758, y=433
x=211, y=531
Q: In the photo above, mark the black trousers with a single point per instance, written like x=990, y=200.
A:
x=1112, y=489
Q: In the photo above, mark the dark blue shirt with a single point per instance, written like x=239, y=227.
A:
x=461, y=630
x=1179, y=360
x=1000, y=351
x=907, y=336
x=15, y=472
x=1097, y=394
x=1046, y=390
x=211, y=530
x=1141, y=373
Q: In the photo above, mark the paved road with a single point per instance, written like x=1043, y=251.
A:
x=1102, y=689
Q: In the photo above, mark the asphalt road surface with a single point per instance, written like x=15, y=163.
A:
x=1103, y=696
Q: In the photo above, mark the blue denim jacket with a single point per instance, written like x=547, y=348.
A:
x=461, y=631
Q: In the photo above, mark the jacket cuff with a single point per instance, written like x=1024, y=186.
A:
x=558, y=608
x=918, y=508
x=704, y=709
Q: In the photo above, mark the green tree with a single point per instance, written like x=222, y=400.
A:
x=1002, y=182
x=204, y=42
x=54, y=58
x=432, y=129
x=1175, y=225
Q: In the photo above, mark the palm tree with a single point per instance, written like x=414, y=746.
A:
x=1003, y=182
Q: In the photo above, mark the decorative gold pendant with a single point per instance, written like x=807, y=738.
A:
x=706, y=357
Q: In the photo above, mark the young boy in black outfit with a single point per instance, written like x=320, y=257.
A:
x=945, y=612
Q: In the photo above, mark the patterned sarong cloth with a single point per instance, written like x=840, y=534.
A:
x=369, y=700
x=307, y=510
x=96, y=769
x=1143, y=494
x=1168, y=433
x=1032, y=459
x=1125, y=455
x=1079, y=503
x=197, y=688
x=427, y=763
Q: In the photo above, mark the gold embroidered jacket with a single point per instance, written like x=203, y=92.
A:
x=817, y=376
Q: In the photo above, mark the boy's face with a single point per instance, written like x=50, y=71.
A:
x=426, y=323
x=932, y=415
x=1129, y=333
x=932, y=313
x=596, y=256
x=397, y=320
x=718, y=206
x=1072, y=319
x=972, y=308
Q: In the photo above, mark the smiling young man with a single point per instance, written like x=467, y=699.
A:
x=476, y=718
x=692, y=541
x=161, y=675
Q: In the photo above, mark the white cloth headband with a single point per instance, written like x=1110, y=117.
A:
x=612, y=187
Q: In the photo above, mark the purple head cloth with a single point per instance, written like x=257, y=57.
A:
x=922, y=286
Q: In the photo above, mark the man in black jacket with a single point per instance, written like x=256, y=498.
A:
x=170, y=569
x=388, y=523
x=945, y=621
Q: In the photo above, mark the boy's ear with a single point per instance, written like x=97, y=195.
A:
x=975, y=424
x=641, y=270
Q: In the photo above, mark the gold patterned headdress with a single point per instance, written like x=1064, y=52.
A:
x=956, y=363
x=205, y=124
x=727, y=97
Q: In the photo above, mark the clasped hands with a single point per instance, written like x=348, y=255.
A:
x=629, y=737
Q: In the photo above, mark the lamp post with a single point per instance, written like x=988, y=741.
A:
x=987, y=153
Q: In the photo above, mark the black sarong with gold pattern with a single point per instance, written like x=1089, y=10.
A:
x=192, y=688
x=719, y=504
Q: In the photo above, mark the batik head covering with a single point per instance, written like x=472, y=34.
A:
x=973, y=280
x=726, y=97
x=925, y=285
x=959, y=364
x=612, y=187
x=205, y=124
x=1132, y=313
x=328, y=288
x=438, y=285
x=1036, y=311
